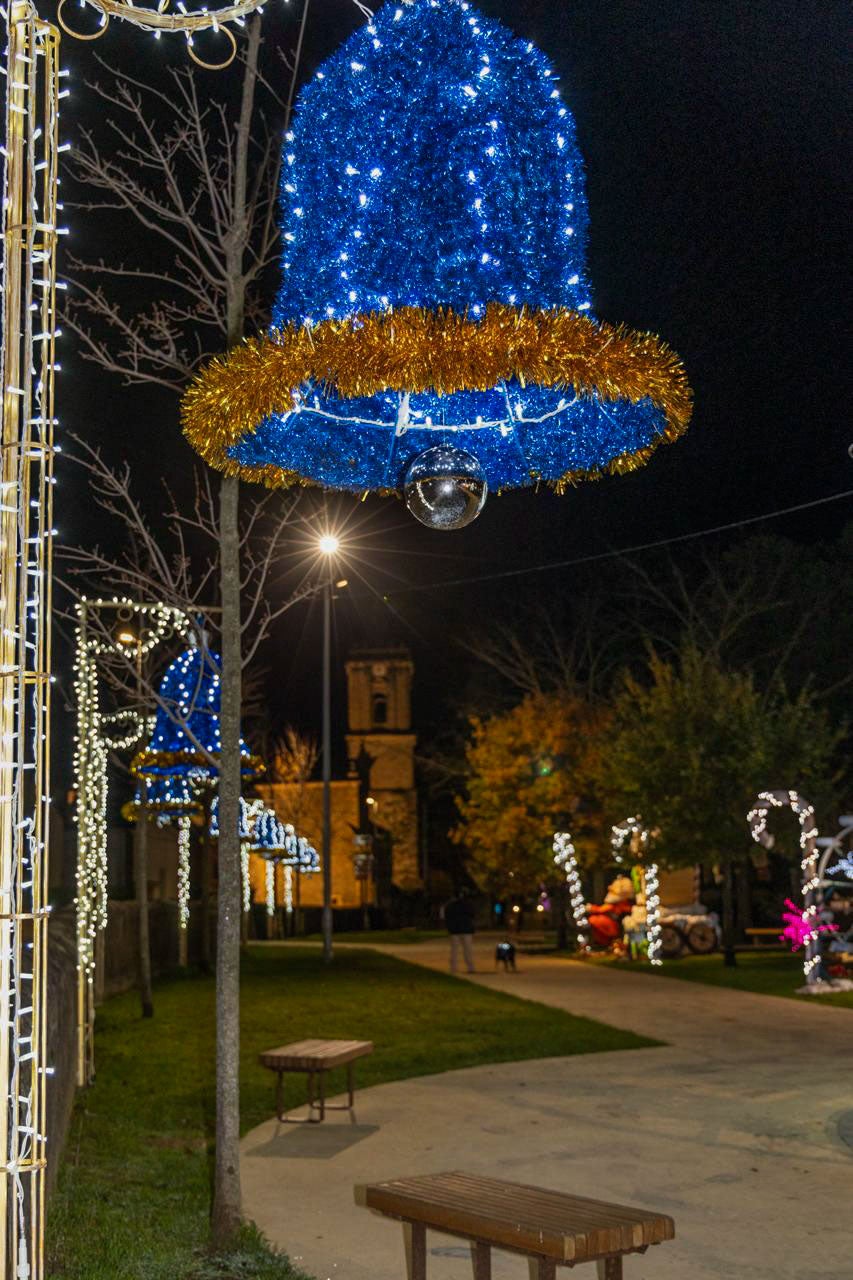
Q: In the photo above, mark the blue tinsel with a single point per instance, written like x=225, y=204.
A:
x=432, y=163
x=190, y=692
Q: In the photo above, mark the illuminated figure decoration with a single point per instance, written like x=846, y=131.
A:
x=186, y=742
x=433, y=333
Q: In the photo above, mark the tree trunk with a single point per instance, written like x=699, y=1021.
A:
x=226, y=1214
x=226, y=1196
x=561, y=898
x=204, y=850
x=729, y=955
x=140, y=878
x=743, y=893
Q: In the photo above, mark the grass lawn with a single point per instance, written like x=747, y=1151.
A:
x=769, y=973
x=369, y=937
x=134, y=1189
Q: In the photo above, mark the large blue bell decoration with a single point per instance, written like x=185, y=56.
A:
x=433, y=333
x=186, y=729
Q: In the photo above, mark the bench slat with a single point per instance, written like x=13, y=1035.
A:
x=527, y=1219
x=315, y=1055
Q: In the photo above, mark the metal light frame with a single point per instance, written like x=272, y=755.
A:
x=27, y=365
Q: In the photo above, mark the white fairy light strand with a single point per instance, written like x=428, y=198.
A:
x=757, y=819
x=269, y=871
x=27, y=368
x=184, y=827
x=156, y=622
x=564, y=856
x=244, y=869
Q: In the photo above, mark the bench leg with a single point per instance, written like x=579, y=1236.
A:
x=414, y=1239
x=481, y=1261
x=543, y=1269
x=609, y=1269
x=351, y=1084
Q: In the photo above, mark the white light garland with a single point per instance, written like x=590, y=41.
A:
x=757, y=819
x=288, y=889
x=184, y=827
x=651, y=886
x=269, y=870
x=564, y=856
x=244, y=868
x=90, y=767
x=28, y=240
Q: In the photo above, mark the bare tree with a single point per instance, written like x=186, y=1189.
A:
x=203, y=189
x=540, y=652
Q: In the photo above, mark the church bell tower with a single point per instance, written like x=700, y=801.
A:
x=379, y=722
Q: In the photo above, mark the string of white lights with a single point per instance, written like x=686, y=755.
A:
x=757, y=819
x=406, y=422
x=244, y=869
x=269, y=871
x=27, y=371
x=288, y=890
x=155, y=623
x=184, y=827
x=564, y=856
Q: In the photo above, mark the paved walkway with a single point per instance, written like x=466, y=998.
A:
x=732, y=1128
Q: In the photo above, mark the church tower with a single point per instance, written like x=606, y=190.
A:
x=379, y=723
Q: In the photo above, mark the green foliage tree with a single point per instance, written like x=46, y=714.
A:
x=530, y=772
x=692, y=744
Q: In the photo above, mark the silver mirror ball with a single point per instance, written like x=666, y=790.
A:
x=445, y=488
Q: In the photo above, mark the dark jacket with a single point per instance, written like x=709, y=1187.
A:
x=459, y=916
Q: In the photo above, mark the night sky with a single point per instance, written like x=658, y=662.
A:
x=717, y=186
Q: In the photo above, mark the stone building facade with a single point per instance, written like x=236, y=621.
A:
x=378, y=792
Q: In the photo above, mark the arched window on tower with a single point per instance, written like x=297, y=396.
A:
x=380, y=708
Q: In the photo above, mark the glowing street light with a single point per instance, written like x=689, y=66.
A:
x=328, y=545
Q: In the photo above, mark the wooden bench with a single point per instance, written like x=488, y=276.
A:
x=315, y=1058
x=549, y=1228
x=771, y=934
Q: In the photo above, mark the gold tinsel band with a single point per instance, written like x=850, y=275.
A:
x=415, y=350
x=152, y=763
x=193, y=810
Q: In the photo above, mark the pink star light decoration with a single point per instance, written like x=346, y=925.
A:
x=799, y=926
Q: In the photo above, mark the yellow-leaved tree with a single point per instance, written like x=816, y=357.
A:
x=532, y=771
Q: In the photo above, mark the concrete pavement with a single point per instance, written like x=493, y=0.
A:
x=736, y=1128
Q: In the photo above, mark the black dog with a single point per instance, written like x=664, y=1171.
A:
x=505, y=955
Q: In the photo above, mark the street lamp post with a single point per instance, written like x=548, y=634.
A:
x=328, y=545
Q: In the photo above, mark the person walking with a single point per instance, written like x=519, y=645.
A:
x=459, y=919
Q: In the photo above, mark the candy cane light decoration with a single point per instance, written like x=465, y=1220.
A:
x=564, y=856
x=757, y=819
